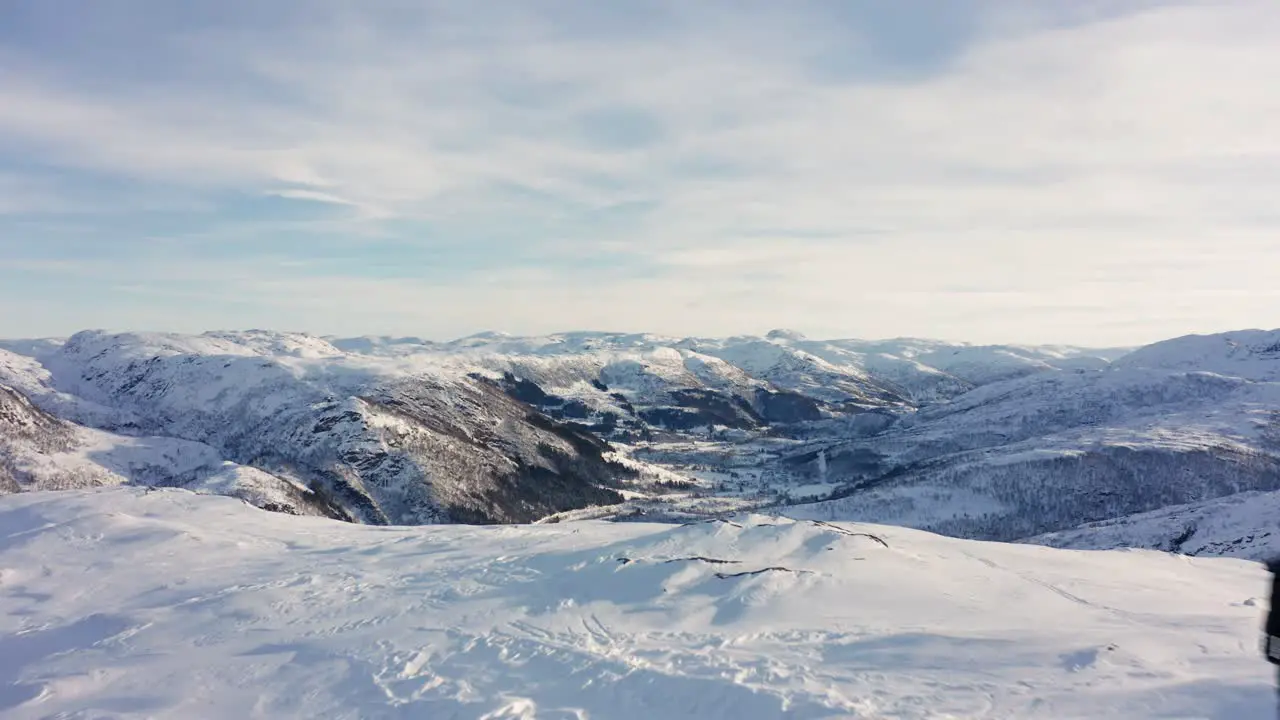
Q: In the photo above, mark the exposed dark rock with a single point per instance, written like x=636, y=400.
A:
x=575, y=409
x=849, y=533
x=787, y=407
x=526, y=391
x=8, y=483
x=731, y=409
x=1175, y=545
x=326, y=424
x=623, y=402
x=20, y=420
x=761, y=571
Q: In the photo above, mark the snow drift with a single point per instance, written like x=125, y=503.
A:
x=129, y=604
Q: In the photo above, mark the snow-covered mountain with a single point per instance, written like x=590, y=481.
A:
x=405, y=430
x=997, y=442
x=1245, y=525
x=125, y=604
x=202, y=606
x=841, y=371
x=1252, y=354
x=41, y=452
x=369, y=440
x=636, y=382
x=1179, y=422
x=640, y=382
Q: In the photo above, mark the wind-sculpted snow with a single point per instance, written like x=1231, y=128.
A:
x=201, y=607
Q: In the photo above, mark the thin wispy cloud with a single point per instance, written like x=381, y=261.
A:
x=1103, y=172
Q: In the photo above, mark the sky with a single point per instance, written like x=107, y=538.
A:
x=1095, y=172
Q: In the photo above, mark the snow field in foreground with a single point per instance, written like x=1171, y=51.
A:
x=125, y=603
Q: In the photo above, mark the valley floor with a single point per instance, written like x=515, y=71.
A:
x=128, y=603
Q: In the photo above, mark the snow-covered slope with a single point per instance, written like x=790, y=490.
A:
x=25, y=375
x=124, y=604
x=41, y=452
x=1245, y=525
x=932, y=370
x=983, y=364
x=853, y=373
x=1051, y=450
x=373, y=439
x=1252, y=354
x=643, y=382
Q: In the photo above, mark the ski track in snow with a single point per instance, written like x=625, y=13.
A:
x=128, y=604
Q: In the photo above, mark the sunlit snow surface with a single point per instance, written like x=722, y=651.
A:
x=125, y=603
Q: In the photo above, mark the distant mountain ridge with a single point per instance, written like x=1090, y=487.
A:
x=1245, y=525
x=1183, y=421
x=1000, y=442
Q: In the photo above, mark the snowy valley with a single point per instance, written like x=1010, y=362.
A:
x=597, y=525
x=986, y=442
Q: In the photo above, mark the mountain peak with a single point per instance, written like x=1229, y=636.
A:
x=785, y=334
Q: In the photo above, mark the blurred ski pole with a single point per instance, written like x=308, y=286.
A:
x=1271, y=642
